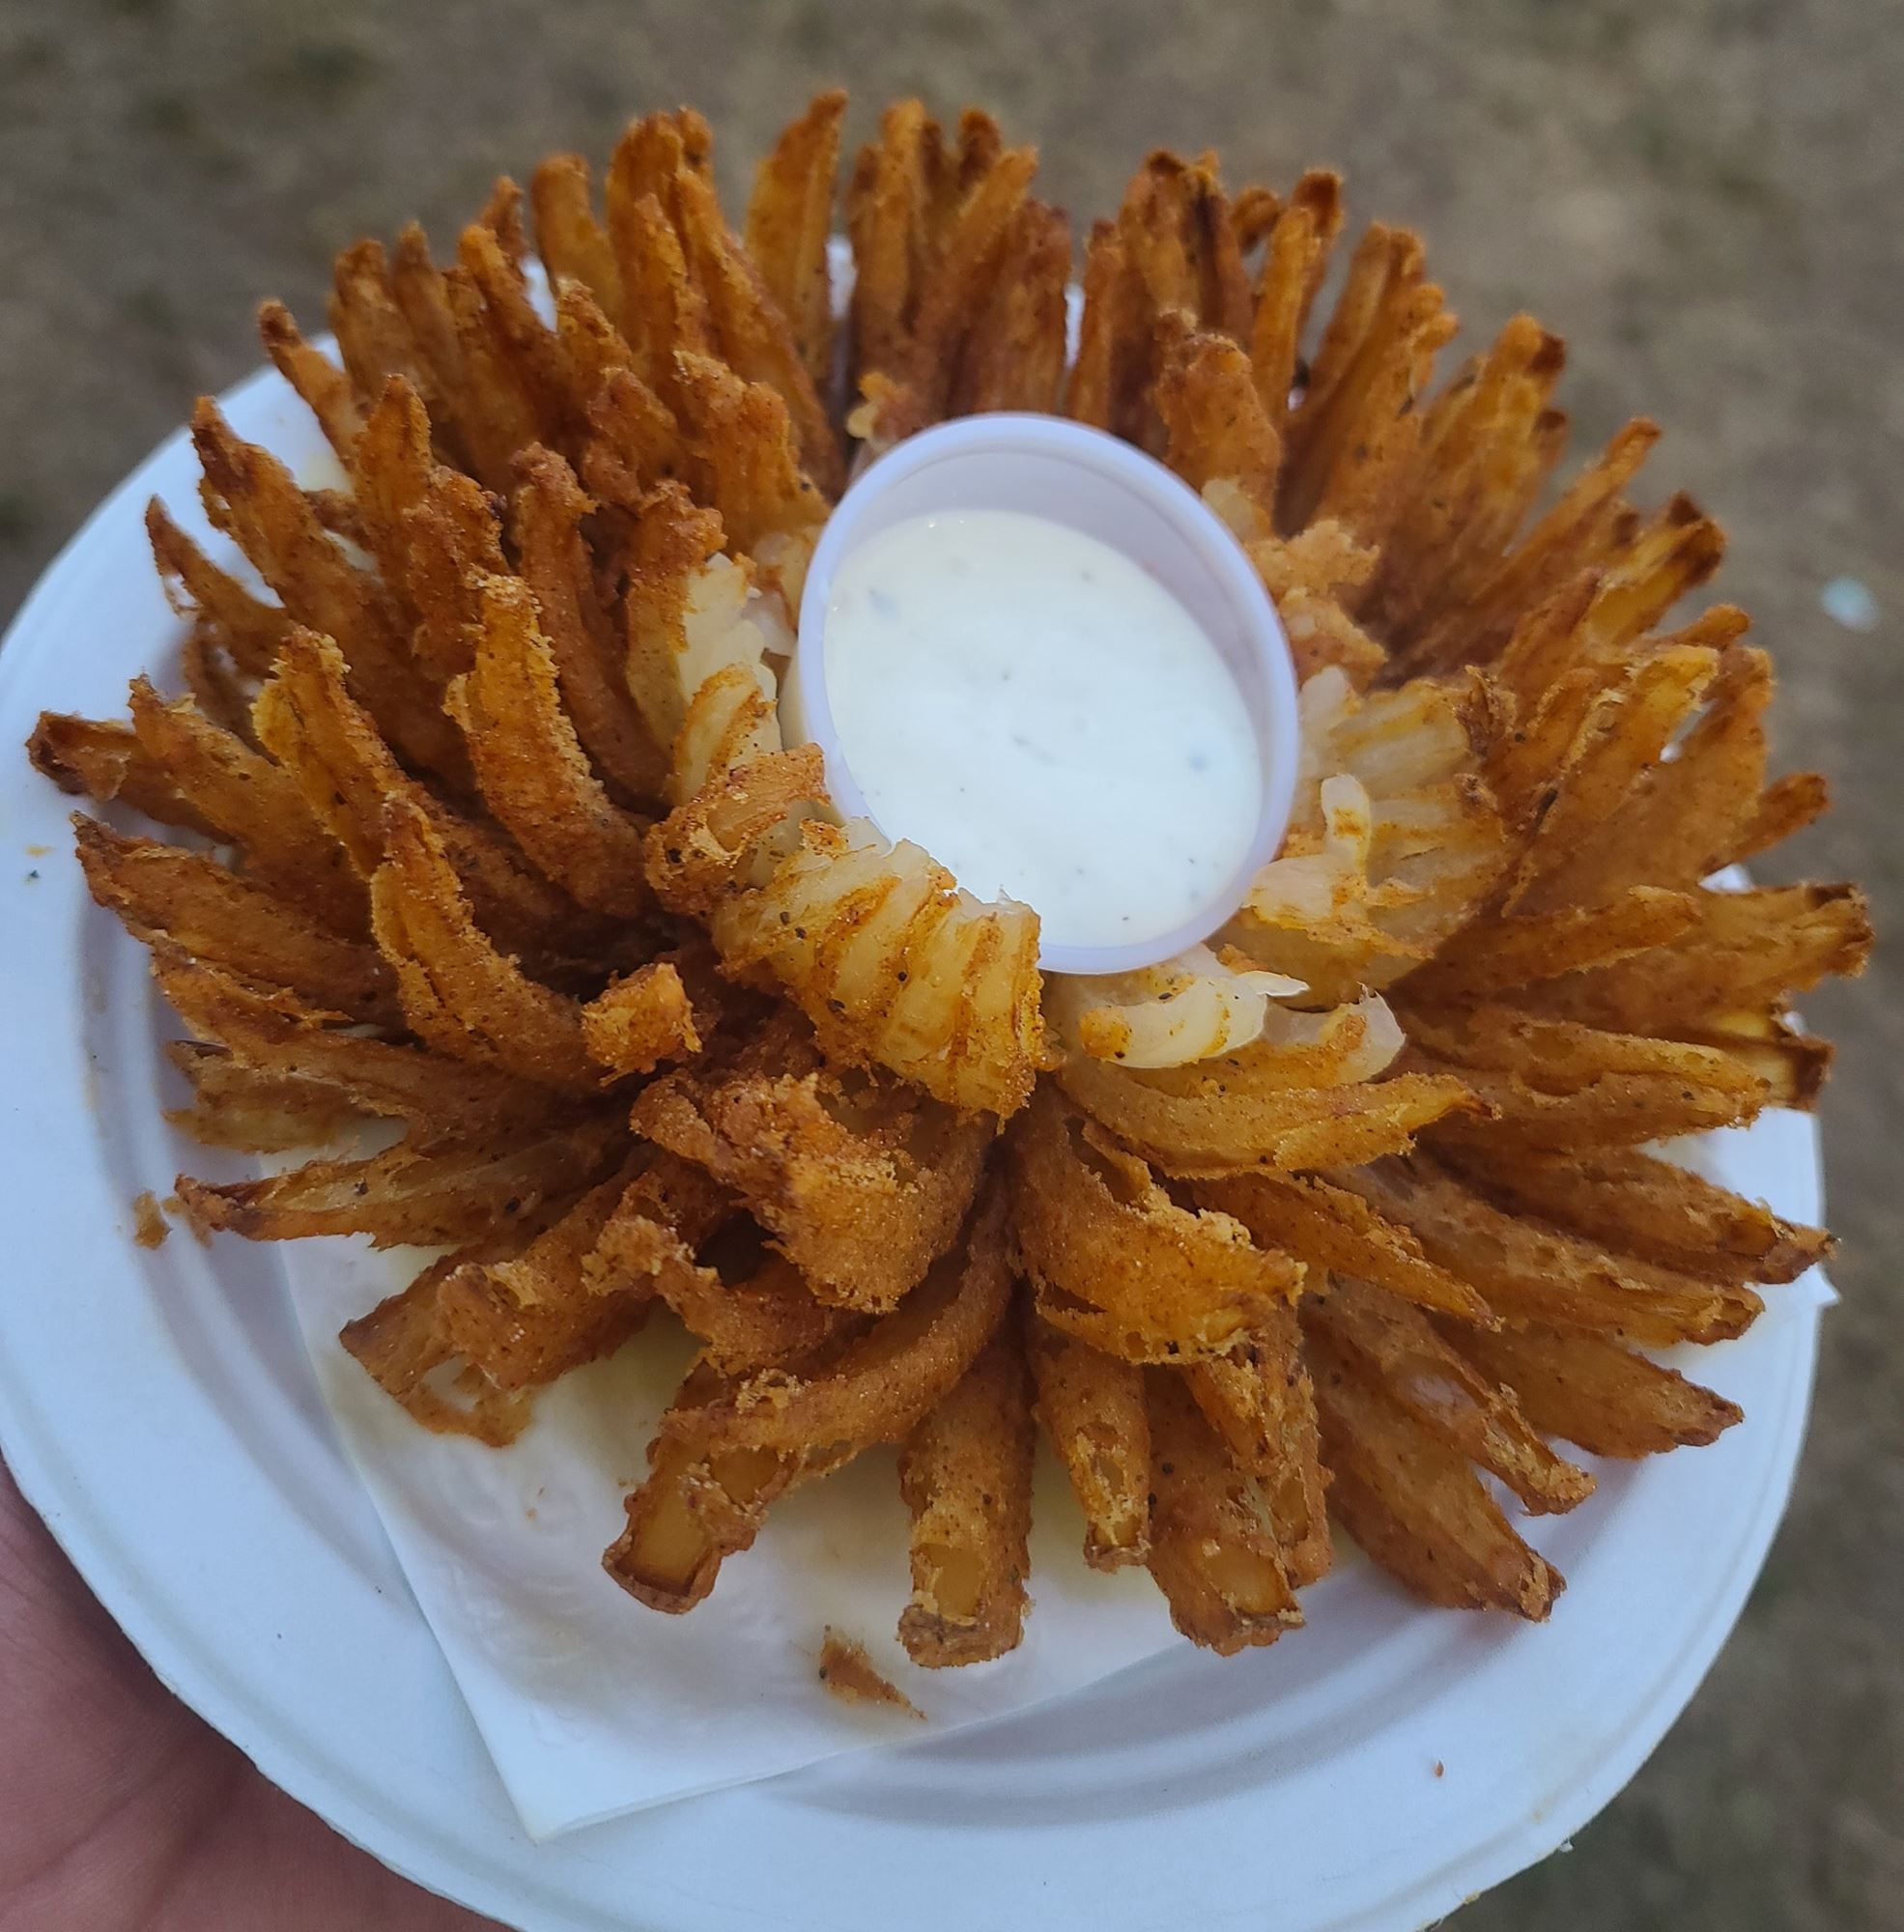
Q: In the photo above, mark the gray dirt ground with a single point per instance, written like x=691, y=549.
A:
x=1702, y=197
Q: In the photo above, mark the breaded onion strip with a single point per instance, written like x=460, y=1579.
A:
x=1212, y=1555
x=1259, y=1401
x=965, y=1474
x=1116, y=1261
x=234, y=1105
x=1091, y=1406
x=253, y=803
x=1336, y=1231
x=698, y=1507
x=206, y=910
x=310, y=723
x=880, y=1386
x=529, y=763
x=458, y=991
x=526, y=1319
x=1235, y=1115
x=1639, y=1205
x=1530, y=1274
x=862, y=1187
x=277, y=1033
x=251, y=629
x=1396, y=1347
x=789, y=216
x=251, y=496
x=405, y=1196
x=101, y=759
x=548, y=511
x=1609, y=1400
x=1415, y=1506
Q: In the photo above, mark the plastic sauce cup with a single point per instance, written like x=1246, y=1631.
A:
x=1106, y=489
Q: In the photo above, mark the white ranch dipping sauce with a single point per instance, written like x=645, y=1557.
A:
x=1044, y=718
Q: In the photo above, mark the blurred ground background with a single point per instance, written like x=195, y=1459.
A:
x=1702, y=197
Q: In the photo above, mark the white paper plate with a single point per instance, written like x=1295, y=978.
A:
x=1370, y=1771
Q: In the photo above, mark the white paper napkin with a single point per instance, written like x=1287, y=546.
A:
x=592, y=1704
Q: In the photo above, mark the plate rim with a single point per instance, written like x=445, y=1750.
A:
x=55, y=1485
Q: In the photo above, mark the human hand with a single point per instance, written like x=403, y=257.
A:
x=122, y=1812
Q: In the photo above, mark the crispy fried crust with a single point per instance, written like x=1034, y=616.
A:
x=572, y=242
x=1530, y=1274
x=103, y=761
x=883, y=1383
x=204, y=909
x=1415, y=1506
x=549, y=512
x=459, y=992
x=1220, y=1117
x=1213, y=1554
x=641, y=1019
x=308, y=721
x=965, y=1474
x=324, y=388
x=522, y=1320
x=1293, y=263
x=254, y=804
x=863, y=1184
x=1260, y=1401
x=1013, y=355
x=251, y=628
x=747, y=1305
x=1116, y=1262
x=789, y=216
x=1091, y=1407
x=1395, y=1346
x=696, y=1508
x=251, y=497
x=234, y=1105
x=1556, y=1084
x=849, y=1674
x=898, y=967
x=1639, y=1205
x=529, y=762
x=1334, y=1228
x=277, y=1035
x=407, y=1196
x=1607, y=1399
